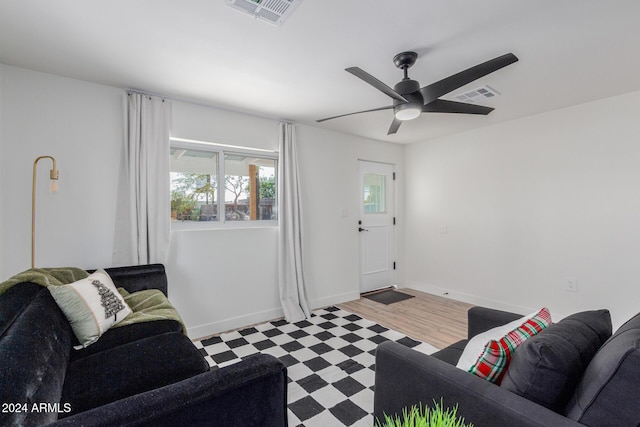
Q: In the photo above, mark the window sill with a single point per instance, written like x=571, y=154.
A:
x=179, y=226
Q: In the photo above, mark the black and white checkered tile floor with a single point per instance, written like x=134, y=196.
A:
x=330, y=363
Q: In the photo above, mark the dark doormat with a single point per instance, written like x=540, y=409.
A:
x=388, y=297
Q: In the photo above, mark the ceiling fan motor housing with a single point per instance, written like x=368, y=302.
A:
x=408, y=87
x=410, y=90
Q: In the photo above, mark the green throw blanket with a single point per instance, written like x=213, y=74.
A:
x=146, y=306
x=45, y=277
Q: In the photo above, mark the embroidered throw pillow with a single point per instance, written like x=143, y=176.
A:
x=91, y=305
x=494, y=360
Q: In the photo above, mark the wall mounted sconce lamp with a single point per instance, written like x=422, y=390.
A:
x=53, y=174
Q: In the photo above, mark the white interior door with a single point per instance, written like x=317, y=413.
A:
x=376, y=225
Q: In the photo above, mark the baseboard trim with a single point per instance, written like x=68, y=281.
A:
x=470, y=298
x=201, y=331
x=334, y=299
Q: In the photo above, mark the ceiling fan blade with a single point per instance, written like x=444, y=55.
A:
x=357, y=112
x=451, y=83
x=444, y=106
x=395, y=125
x=360, y=73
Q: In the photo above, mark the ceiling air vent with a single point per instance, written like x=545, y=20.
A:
x=272, y=11
x=477, y=94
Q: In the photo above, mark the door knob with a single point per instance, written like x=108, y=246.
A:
x=360, y=229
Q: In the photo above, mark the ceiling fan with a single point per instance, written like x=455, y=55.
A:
x=409, y=100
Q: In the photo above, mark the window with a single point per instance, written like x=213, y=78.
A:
x=374, y=190
x=210, y=186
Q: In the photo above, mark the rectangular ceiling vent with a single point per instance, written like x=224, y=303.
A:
x=477, y=94
x=272, y=11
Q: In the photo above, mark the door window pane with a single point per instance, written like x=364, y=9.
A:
x=374, y=190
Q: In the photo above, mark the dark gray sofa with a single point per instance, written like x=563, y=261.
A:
x=600, y=384
x=145, y=374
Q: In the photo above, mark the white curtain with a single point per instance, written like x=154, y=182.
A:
x=143, y=217
x=293, y=296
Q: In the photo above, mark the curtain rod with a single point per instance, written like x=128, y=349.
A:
x=143, y=93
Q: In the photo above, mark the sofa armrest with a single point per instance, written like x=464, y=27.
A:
x=139, y=277
x=405, y=377
x=252, y=392
x=481, y=319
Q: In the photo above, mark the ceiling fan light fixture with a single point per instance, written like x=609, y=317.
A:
x=407, y=111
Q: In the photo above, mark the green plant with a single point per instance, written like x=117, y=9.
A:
x=417, y=416
x=182, y=205
x=267, y=187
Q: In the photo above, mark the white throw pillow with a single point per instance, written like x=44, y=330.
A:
x=91, y=305
x=475, y=346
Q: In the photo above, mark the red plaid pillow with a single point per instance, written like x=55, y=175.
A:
x=494, y=360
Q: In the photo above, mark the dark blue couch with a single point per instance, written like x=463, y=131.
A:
x=146, y=374
x=574, y=373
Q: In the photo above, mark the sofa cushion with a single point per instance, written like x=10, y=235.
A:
x=609, y=391
x=115, y=337
x=547, y=368
x=139, y=277
x=92, y=305
x=452, y=353
x=482, y=319
x=129, y=369
x=496, y=357
x=34, y=352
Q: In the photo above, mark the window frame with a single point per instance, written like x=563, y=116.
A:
x=221, y=150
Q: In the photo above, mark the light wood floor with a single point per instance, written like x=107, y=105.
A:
x=429, y=318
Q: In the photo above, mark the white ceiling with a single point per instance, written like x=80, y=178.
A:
x=571, y=52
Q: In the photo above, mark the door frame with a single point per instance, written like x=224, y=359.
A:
x=392, y=208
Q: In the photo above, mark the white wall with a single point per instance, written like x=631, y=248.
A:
x=204, y=123
x=218, y=279
x=224, y=278
x=238, y=285
x=329, y=175
x=528, y=204
x=80, y=124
